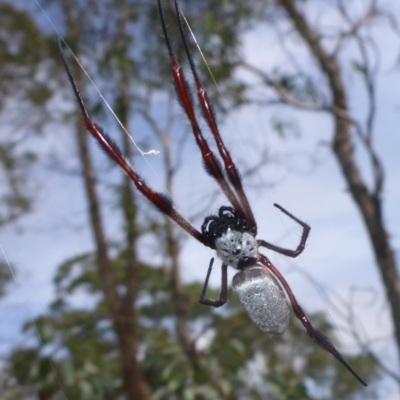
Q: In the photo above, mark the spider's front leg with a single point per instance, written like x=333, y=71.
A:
x=223, y=295
x=303, y=240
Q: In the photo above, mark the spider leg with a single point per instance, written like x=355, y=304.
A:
x=303, y=240
x=161, y=201
x=224, y=287
x=211, y=163
x=209, y=116
x=315, y=335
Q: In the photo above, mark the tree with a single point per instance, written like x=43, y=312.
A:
x=83, y=347
x=214, y=373
x=303, y=91
x=121, y=306
x=24, y=92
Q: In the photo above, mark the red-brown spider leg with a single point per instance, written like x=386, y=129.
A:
x=315, y=335
x=209, y=115
x=303, y=240
x=211, y=164
x=223, y=295
x=162, y=202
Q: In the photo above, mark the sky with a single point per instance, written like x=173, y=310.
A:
x=338, y=254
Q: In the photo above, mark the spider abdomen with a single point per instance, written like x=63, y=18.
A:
x=263, y=299
x=237, y=249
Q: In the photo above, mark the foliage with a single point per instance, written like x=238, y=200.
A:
x=26, y=89
x=76, y=354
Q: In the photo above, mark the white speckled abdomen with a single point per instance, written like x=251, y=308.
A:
x=263, y=299
x=232, y=246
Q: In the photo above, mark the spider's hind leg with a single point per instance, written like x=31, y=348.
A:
x=315, y=335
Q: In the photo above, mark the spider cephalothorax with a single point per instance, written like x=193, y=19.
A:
x=232, y=237
x=258, y=284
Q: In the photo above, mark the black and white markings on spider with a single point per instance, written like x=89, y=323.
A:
x=232, y=232
x=232, y=236
x=257, y=289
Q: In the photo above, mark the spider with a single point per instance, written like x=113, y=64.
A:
x=232, y=231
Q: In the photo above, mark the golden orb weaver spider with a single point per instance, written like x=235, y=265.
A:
x=232, y=232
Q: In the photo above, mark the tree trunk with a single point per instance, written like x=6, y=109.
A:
x=368, y=202
x=121, y=308
x=180, y=301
